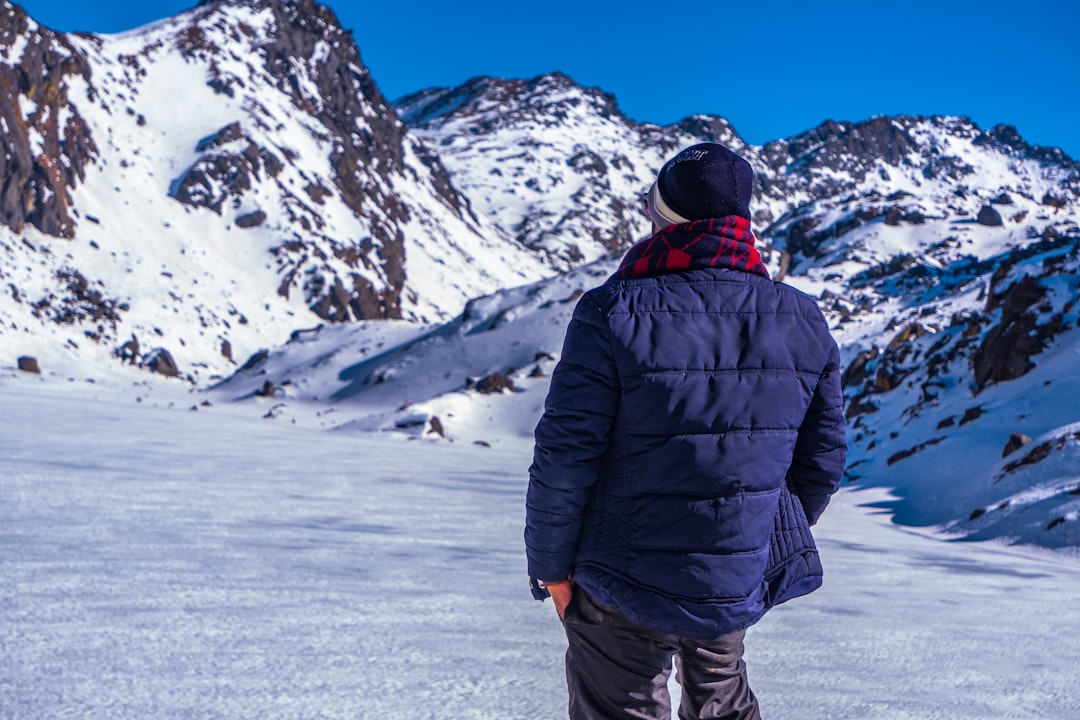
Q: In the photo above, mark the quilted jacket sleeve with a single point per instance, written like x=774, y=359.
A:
x=821, y=448
x=570, y=441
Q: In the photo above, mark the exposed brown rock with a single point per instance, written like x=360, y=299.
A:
x=129, y=351
x=855, y=374
x=496, y=382
x=1007, y=348
x=251, y=219
x=897, y=457
x=1016, y=441
x=1054, y=202
x=161, y=362
x=29, y=364
x=36, y=178
x=971, y=415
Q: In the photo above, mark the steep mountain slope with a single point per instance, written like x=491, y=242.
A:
x=209, y=183
x=556, y=165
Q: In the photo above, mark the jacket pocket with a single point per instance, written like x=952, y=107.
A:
x=794, y=568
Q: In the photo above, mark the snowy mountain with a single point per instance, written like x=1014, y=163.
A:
x=200, y=184
x=227, y=196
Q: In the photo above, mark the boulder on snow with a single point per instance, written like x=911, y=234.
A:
x=1054, y=202
x=251, y=219
x=129, y=351
x=268, y=389
x=496, y=382
x=29, y=364
x=989, y=216
x=1016, y=441
x=160, y=361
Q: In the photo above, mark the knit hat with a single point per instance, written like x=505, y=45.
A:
x=703, y=181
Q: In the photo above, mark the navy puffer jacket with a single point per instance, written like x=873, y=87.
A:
x=693, y=432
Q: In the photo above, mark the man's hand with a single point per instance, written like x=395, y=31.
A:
x=561, y=592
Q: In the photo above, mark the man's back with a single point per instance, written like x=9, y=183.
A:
x=715, y=371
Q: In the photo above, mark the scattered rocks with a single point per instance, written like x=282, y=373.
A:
x=897, y=215
x=1039, y=453
x=78, y=301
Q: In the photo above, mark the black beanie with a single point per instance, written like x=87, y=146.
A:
x=703, y=181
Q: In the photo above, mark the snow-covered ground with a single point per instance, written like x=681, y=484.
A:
x=159, y=561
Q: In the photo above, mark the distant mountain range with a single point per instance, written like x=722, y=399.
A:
x=226, y=196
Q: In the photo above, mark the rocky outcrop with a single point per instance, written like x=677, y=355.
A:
x=315, y=63
x=46, y=145
x=367, y=151
x=230, y=165
x=1005, y=352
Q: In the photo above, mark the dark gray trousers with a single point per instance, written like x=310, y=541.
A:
x=616, y=669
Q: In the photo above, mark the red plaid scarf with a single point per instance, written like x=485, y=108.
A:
x=717, y=242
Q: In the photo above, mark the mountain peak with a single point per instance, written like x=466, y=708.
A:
x=46, y=144
x=549, y=98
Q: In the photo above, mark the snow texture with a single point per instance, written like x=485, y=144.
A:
x=203, y=563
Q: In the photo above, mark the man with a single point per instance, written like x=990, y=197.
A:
x=693, y=432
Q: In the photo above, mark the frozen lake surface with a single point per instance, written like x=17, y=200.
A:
x=164, y=562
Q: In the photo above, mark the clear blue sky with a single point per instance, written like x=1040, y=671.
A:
x=773, y=69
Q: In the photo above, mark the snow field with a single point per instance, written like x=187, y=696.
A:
x=169, y=563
